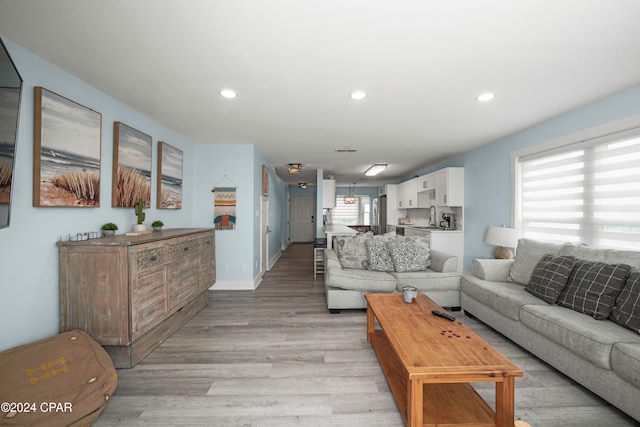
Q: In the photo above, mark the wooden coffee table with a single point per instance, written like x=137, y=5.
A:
x=429, y=363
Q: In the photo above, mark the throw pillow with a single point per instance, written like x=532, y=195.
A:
x=626, y=312
x=407, y=256
x=550, y=276
x=379, y=255
x=528, y=253
x=352, y=252
x=593, y=287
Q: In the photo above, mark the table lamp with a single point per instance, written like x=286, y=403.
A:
x=504, y=238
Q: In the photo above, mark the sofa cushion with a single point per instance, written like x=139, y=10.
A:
x=352, y=251
x=503, y=297
x=360, y=280
x=625, y=361
x=379, y=255
x=550, y=277
x=608, y=256
x=427, y=280
x=588, y=338
x=626, y=310
x=528, y=253
x=593, y=287
x=407, y=256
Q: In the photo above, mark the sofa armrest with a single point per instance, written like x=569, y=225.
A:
x=495, y=270
x=442, y=262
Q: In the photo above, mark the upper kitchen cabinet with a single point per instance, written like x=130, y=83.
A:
x=450, y=187
x=427, y=182
x=408, y=194
x=328, y=193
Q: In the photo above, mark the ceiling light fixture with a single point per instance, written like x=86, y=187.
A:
x=302, y=185
x=350, y=199
x=485, y=97
x=228, y=93
x=295, y=167
x=375, y=169
x=358, y=95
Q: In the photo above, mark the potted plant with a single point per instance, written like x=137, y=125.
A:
x=140, y=214
x=109, y=229
x=157, y=225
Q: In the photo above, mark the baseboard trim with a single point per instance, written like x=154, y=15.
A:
x=229, y=285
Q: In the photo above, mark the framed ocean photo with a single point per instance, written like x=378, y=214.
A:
x=169, y=187
x=131, y=167
x=66, y=155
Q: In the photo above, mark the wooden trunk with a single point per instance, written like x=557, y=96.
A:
x=130, y=293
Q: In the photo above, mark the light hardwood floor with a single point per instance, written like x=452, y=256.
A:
x=277, y=357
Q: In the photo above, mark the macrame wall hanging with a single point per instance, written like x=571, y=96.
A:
x=224, y=205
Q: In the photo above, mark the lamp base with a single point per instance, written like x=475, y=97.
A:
x=503, y=253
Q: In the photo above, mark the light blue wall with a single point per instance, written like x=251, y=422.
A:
x=28, y=252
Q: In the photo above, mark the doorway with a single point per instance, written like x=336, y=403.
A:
x=264, y=235
x=303, y=209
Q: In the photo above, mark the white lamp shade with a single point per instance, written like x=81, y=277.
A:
x=502, y=236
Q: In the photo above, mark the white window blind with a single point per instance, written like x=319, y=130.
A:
x=587, y=193
x=355, y=214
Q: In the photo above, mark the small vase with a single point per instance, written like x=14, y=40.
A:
x=157, y=228
x=106, y=233
x=139, y=227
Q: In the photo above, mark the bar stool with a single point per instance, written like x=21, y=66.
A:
x=319, y=246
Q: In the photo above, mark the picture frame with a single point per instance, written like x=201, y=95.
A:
x=169, y=177
x=131, y=170
x=265, y=181
x=66, y=152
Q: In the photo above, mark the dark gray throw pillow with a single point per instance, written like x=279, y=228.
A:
x=550, y=276
x=626, y=311
x=593, y=287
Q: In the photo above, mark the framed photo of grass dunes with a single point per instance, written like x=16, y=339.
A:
x=169, y=187
x=131, y=176
x=66, y=154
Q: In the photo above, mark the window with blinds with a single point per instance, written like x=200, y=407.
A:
x=353, y=214
x=587, y=193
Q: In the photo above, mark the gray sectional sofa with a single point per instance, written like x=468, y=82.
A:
x=603, y=355
x=348, y=280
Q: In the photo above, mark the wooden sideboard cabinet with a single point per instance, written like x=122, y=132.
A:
x=130, y=293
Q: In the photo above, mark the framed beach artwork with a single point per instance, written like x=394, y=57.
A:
x=169, y=187
x=66, y=154
x=131, y=177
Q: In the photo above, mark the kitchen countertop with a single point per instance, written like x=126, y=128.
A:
x=422, y=227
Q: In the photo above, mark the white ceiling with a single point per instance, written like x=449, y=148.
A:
x=293, y=64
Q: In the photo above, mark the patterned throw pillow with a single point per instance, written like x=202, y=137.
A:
x=550, y=276
x=407, y=256
x=593, y=287
x=379, y=255
x=626, y=312
x=351, y=250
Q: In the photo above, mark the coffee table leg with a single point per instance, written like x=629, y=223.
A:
x=370, y=323
x=505, y=396
x=414, y=403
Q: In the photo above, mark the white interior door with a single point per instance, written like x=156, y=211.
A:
x=303, y=218
x=264, y=247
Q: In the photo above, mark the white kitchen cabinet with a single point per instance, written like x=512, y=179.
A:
x=427, y=182
x=328, y=193
x=450, y=187
x=408, y=194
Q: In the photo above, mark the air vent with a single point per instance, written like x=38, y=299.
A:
x=346, y=150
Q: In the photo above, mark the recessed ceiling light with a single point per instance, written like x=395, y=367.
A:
x=358, y=95
x=228, y=93
x=486, y=97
